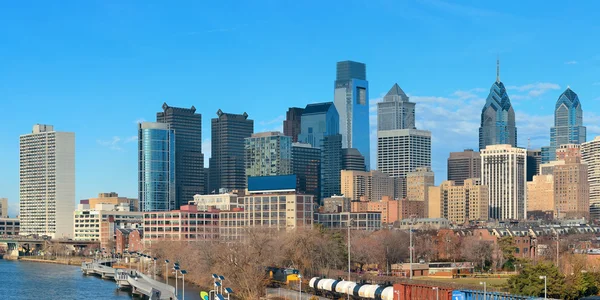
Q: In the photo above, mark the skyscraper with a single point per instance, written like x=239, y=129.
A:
x=504, y=171
x=292, y=123
x=352, y=160
x=590, y=154
x=459, y=203
x=534, y=160
x=351, y=98
x=568, y=124
x=156, y=181
x=318, y=121
x=306, y=165
x=268, y=154
x=331, y=166
x=227, y=169
x=497, y=117
x=402, y=151
x=395, y=111
x=464, y=165
x=47, y=182
x=189, y=160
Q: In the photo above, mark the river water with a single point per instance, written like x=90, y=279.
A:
x=20, y=280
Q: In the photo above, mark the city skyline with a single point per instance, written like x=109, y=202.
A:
x=449, y=97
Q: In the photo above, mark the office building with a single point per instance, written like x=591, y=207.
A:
x=389, y=208
x=268, y=154
x=101, y=224
x=497, y=117
x=335, y=204
x=540, y=195
x=534, y=160
x=47, y=182
x=459, y=203
x=352, y=160
x=571, y=189
x=189, y=160
x=292, y=123
x=590, y=154
x=395, y=111
x=227, y=201
x=568, y=150
x=306, y=165
x=3, y=207
x=186, y=224
x=504, y=171
x=227, y=169
x=464, y=165
x=9, y=226
x=568, y=123
x=402, y=151
x=207, y=184
x=331, y=166
x=366, y=186
x=156, y=166
x=367, y=221
x=417, y=186
x=351, y=99
x=114, y=199
x=318, y=121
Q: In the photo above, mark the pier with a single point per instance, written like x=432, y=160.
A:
x=139, y=283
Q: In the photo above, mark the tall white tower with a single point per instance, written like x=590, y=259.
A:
x=47, y=182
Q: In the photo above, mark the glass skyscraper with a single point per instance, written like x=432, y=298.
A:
x=268, y=154
x=306, y=165
x=318, y=121
x=189, y=160
x=351, y=99
x=497, y=117
x=395, y=111
x=568, y=124
x=156, y=173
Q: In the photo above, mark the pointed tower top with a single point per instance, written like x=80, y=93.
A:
x=498, y=69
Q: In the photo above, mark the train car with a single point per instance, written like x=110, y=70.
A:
x=281, y=276
x=480, y=295
x=336, y=289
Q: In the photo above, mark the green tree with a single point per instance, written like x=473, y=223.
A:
x=528, y=282
x=508, y=248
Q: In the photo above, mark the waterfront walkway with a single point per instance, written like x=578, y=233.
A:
x=139, y=283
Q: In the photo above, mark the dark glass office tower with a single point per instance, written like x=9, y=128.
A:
x=351, y=99
x=306, y=165
x=292, y=123
x=227, y=169
x=352, y=160
x=189, y=160
x=568, y=124
x=332, y=166
x=534, y=160
x=497, y=117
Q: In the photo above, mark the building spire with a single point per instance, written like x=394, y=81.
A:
x=498, y=69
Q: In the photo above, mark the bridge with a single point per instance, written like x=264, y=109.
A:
x=138, y=282
x=28, y=244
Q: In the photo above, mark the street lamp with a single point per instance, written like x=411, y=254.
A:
x=167, y=270
x=228, y=291
x=176, y=268
x=349, y=278
x=484, y=288
x=545, y=286
x=183, y=272
x=222, y=278
x=300, y=285
x=154, y=271
x=410, y=249
x=437, y=292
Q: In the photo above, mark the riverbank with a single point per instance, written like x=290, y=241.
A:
x=71, y=261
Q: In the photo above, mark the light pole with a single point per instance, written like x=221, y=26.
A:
x=222, y=278
x=349, y=225
x=437, y=292
x=154, y=271
x=228, y=291
x=484, y=288
x=167, y=270
x=545, y=286
x=300, y=286
x=183, y=272
x=176, y=268
x=410, y=249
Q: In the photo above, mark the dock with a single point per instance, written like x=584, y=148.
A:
x=139, y=283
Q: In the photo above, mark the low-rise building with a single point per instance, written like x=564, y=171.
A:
x=435, y=223
x=102, y=223
x=232, y=224
x=186, y=224
x=359, y=220
x=226, y=201
x=9, y=226
x=136, y=241
x=336, y=203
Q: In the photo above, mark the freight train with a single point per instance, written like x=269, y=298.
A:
x=340, y=289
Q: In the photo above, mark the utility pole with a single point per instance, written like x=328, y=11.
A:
x=410, y=249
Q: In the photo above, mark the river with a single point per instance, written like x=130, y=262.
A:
x=20, y=280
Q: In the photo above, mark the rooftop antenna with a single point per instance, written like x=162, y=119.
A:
x=498, y=69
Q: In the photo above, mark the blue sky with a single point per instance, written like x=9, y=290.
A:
x=98, y=67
